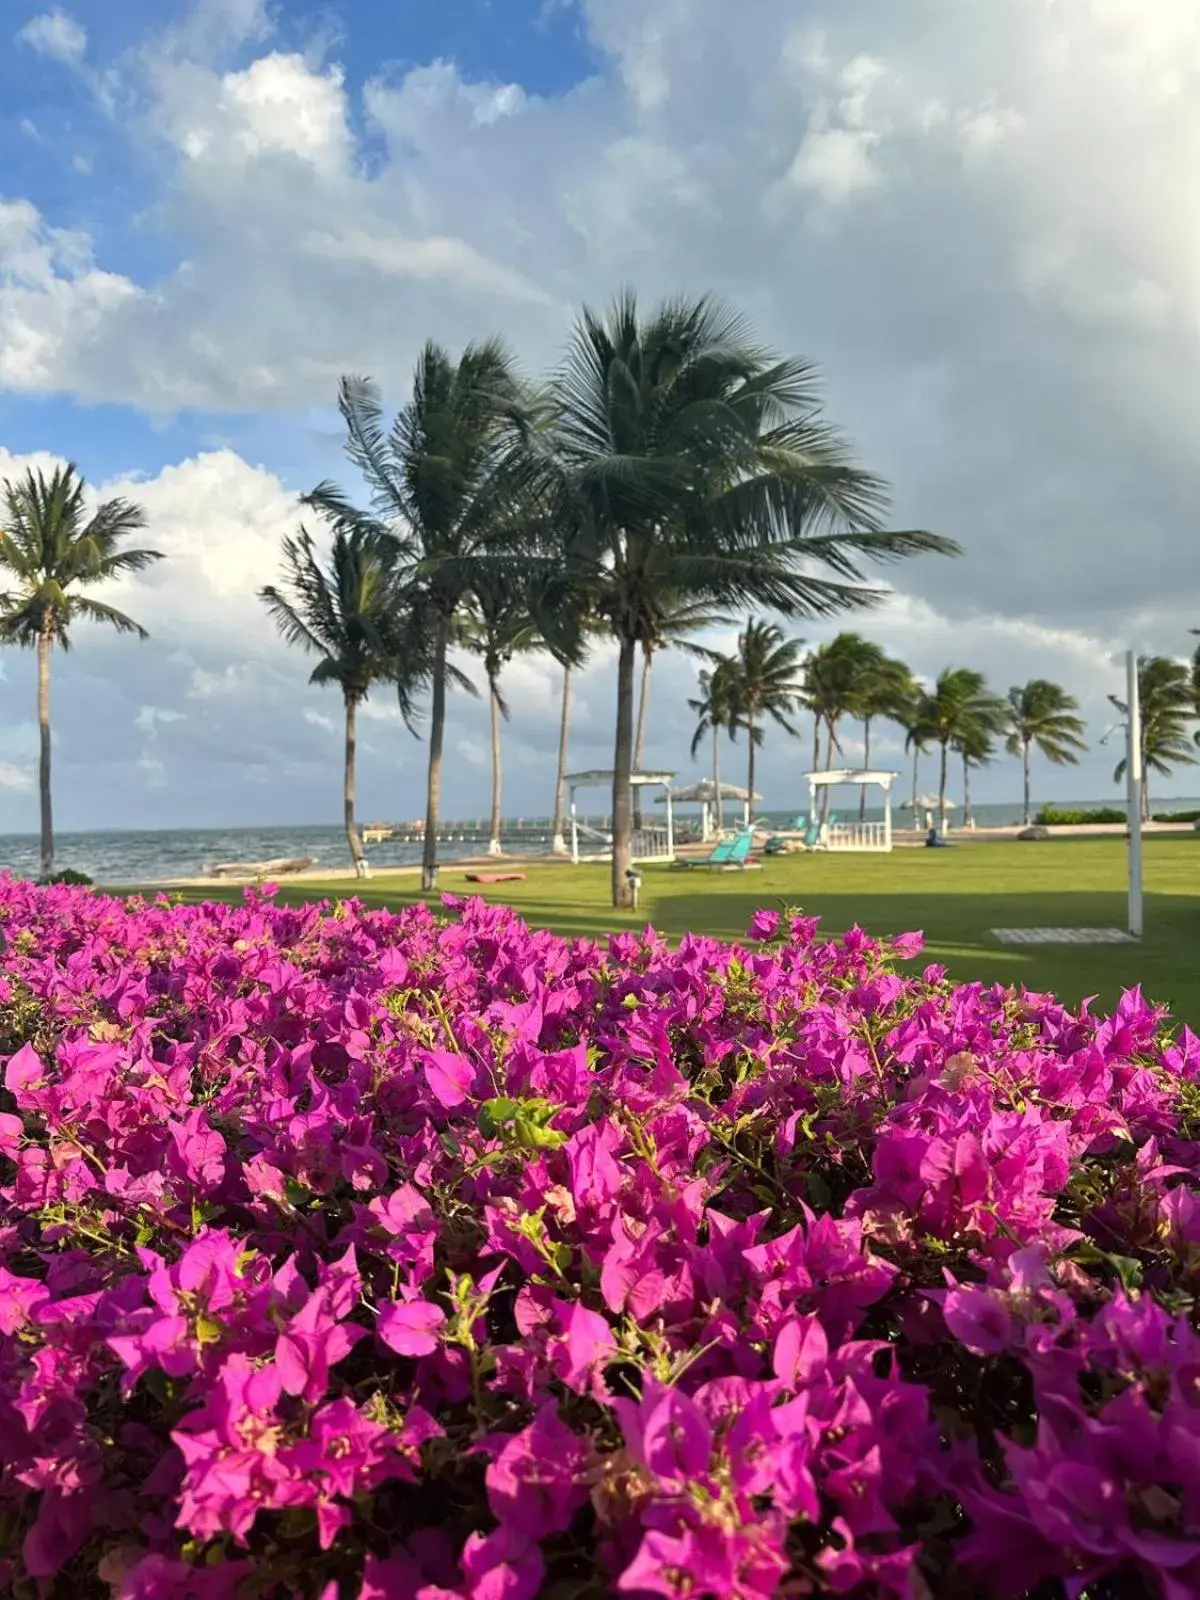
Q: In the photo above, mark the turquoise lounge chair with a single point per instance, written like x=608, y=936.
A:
x=814, y=838
x=733, y=852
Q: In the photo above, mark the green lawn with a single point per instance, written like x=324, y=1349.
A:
x=954, y=896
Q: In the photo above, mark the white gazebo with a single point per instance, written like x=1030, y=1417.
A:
x=852, y=834
x=648, y=844
x=704, y=795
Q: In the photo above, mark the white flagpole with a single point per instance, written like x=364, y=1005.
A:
x=1133, y=774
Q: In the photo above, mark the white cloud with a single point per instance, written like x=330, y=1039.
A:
x=836, y=163
x=18, y=778
x=56, y=34
x=984, y=237
x=149, y=718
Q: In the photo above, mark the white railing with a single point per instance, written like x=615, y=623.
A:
x=858, y=836
x=651, y=844
x=646, y=844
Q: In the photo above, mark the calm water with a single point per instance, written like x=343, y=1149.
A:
x=127, y=856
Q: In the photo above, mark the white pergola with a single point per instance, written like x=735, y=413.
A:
x=853, y=835
x=648, y=844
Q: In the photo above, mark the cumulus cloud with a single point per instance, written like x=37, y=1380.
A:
x=982, y=237
x=56, y=34
x=982, y=234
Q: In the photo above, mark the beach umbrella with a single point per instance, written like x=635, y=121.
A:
x=706, y=790
x=926, y=802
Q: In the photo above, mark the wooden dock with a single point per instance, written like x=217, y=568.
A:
x=534, y=831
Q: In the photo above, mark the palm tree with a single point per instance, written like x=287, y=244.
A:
x=681, y=617
x=689, y=462
x=1167, y=704
x=348, y=612
x=836, y=676
x=918, y=736
x=498, y=627
x=718, y=711
x=443, y=485
x=1042, y=716
x=958, y=710
x=559, y=844
x=765, y=682
x=885, y=690
x=52, y=549
x=976, y=744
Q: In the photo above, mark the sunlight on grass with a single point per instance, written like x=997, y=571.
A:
x=954, y=896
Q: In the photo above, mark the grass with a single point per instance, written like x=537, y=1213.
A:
x=954, y=896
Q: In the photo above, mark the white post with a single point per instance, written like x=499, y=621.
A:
x=1133, y=773
x=574, y=830
x=887, y=815
x=670, y=824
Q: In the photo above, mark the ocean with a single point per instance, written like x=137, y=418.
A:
x=129, y=856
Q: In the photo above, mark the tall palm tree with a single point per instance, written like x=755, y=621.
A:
x=976, y=744
x=349, y=612
x=836, y=676
x=558, y=844
x=1167, y=705
x=718, y=711
x=957, y=709
x=765, y=683
x=498, y=627
x=918, y=737
x=681, y=618
x=687, y=461
x=51, y=549
x=1042, y=716
x=885, y=690
x=443, y=485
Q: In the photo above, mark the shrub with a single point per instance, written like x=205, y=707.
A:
x=68, y=875
x=1177, y=816
x=1067, y=816
x=367, y=1257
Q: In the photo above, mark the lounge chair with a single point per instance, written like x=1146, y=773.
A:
x=733, y=852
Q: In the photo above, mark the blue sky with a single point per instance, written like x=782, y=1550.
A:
x=211, y=209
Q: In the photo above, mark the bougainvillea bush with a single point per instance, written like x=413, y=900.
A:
x=356, y=1256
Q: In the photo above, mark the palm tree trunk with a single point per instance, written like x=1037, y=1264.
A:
x=437, y=738
x=750, y=767
x=44, y=645
x=942, y=790
x=639, y=738
x=559, y=844
x=497, y=775
x=622, y=819
x=1025, y=765
x=353, y=837
x=816, y=740
x=862, y=799
x=717, y=778
x=829, y=742
x=916, y=780
x=967, y=815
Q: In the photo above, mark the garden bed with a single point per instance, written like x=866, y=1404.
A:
x=360, y=1256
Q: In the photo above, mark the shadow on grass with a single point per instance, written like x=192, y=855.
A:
x=958, y=933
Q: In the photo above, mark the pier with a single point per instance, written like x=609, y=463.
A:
x=523, y=831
